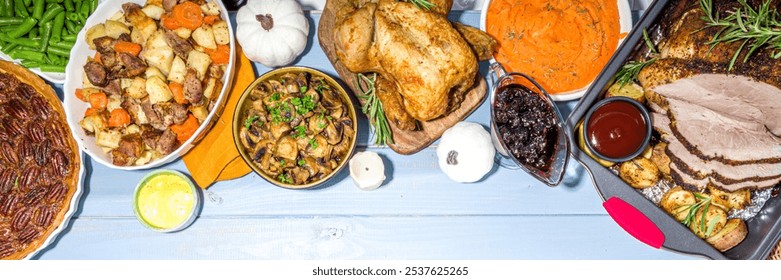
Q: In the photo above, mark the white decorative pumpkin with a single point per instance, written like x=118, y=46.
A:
x=272, y=32
x=465, y=152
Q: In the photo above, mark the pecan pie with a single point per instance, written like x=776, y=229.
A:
x=39, y=162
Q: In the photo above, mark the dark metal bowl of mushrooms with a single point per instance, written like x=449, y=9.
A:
x=295, y=127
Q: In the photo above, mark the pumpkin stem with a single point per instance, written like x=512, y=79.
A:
x=266, y=21
x=452, y=158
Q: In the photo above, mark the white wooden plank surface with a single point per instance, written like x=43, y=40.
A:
x=429, y=237
x=417, y=214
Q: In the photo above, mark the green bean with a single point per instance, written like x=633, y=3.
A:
x=53, y=68
x=7, y=8
x=29, y=55
x=21, y=41
x=23, y=28
x=30, y=63
x=33, y=33
x=52, y=12
x=55, y=59
x=70, y=37
x=58, y=51
x=2, y=45
x=27, y=2
x=93, y=4
x=6, y=29
x=10, y=47
x=69, y=5
x=57, y=25
x=71, y=27
x=10, y=21
x=46, y=36
x=53, y=1
x=72, y=16
x=62, y=44
x=38, y=9
x=20, y=8
x=84, y=10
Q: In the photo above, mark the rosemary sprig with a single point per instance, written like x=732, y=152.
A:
x=756, y=28
x=628, y=73
x=422, y=4
x=373, y=108
x=703, y=203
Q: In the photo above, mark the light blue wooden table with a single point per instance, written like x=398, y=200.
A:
x=417, y=214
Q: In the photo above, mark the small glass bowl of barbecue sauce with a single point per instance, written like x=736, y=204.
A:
x=617, y=129
x=526, y=127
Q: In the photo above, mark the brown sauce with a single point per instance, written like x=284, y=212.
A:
x=527, y=125
x=616, y=129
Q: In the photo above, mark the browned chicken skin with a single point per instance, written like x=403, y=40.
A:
x=426, y=66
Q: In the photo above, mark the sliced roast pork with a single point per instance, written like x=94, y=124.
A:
x=688, y=168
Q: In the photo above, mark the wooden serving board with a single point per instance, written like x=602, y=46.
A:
x=405, y=142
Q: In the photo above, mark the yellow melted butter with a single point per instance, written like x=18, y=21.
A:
x=165, y=201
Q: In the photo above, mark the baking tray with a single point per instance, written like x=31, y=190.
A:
x=636, y=214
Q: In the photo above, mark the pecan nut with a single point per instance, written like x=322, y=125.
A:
x=8, y=153
x=45, y=215
x=13, y=127
x=15, y=108
x=21, y=219
x=28, y=177
x=6, y=249
x=40, y=106
x=56, y=192
x=25, y=91
x=7, y=180
x=8, y=204
x=42, y=152
x=60, y=163
x=54, y=131
x=25, y=147
x=35, y=130
x=34, y=196
x=28, y=235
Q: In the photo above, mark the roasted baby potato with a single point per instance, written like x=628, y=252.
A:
x=708, y=220
x=639, y=173
x=660, y=158
x=97, y=31
x=116, y=28
x=631, y=90
x=732, y=200
x=675, y=198
x=733, y=232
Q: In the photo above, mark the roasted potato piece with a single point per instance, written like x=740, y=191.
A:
x=153, y=11
x=631, y=90
x=210, y=9
x=639, y=173
x=199, y=62
x=660, y=158
x=204, y=36
x=116, y=28
x=178, y=70
x=153, y=72
x=732, y=200
x=675, y=198
x=114, y=102
x=221, y=33
x=137, y=88
x=182, y=32
x=733, y=232
x=200, y=113
x=93, y=123
x=94, y=32
x=158, y=90
x=208, y=90
x=108, y=138
x=157, y=53
x=708, y=221
x=137, y=37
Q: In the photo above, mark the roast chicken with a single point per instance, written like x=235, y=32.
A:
x=425, y=63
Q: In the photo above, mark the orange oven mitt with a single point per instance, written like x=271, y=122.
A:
x=216, y=158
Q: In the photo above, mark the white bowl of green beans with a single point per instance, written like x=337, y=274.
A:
x=39, y=34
